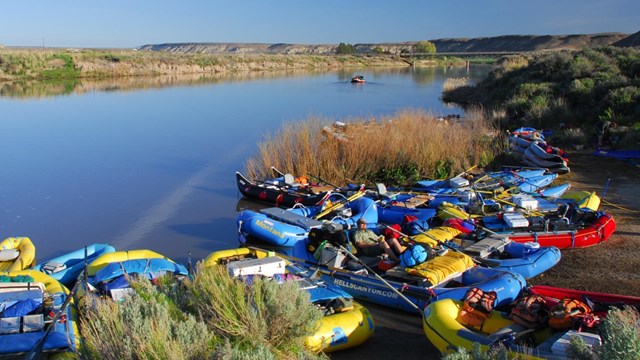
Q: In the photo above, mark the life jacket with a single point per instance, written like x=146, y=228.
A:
x=392, y=231
x=477, y=306
x=463, y=226
x=530, y=311
x=568, y=313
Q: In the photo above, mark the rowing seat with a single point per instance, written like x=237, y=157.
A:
x=486, y=246
x=290, y=181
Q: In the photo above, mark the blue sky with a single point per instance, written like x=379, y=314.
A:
x=131, y=23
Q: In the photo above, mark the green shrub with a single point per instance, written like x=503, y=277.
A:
x=345, y=49
x=265, y=314
x=140, y=328
x=580, y=85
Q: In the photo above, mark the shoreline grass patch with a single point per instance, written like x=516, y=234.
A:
x=397, y=149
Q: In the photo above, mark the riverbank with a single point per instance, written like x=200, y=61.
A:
x=51, y=64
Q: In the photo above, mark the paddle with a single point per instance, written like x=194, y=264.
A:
x=336, y=206
x=37, y=348
x=278, y=172
x=380, y=278
x=324, y=181
x=371, y=271
x=479, y=261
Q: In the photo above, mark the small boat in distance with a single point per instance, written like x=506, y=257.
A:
x=358, y=79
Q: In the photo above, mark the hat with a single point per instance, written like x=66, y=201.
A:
x=361, y=221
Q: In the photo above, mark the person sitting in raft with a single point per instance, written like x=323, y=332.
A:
x=370, y=244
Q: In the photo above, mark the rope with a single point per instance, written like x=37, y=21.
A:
x=619, y=207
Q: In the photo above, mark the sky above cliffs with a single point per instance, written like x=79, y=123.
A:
x=127, y=24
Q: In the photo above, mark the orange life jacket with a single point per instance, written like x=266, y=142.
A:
x=477, y=307
x=567, y=313
x=530, y=311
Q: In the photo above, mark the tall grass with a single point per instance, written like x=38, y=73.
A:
x=396, y=149
x=40, y=64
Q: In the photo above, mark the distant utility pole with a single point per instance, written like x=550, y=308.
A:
x=42, y=44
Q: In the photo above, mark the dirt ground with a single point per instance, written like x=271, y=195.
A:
x=612, y=267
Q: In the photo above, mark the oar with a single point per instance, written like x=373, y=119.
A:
x=386, y=283
x=277, y=171
x=324, y=181
x=479, y=261
x=333, y=207
x=380, y=278
x=37, y=348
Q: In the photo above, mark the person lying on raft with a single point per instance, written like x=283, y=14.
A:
x=370, y=244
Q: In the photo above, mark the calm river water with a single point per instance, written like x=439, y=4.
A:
x=149, y=163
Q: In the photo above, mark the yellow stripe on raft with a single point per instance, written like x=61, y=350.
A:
x=342, y=330
x=216, y=257
x=584, y=199
x=27, y=256
x=118, y=256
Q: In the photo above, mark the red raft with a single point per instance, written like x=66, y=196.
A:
x=599, y=302
x=594, y=233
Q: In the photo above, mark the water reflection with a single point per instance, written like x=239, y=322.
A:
x=40, y=89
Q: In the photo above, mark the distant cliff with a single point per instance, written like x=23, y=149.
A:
x=507, y=43
x=632, y=40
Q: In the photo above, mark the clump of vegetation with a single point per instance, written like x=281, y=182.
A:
x=425, y=47
x=396, y=150
x=620, y=332
x=210, y=316
x=345, y=49
x=575, y=88
x=142, y=329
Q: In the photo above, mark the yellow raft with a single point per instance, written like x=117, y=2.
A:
x=119, y=256
x=64, y=339
x=338, y=331
x=446, y=332
x=584, y=199
x=17, y=253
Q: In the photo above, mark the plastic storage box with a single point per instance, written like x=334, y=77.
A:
x=515, y=220
x=32, y=323
x=10, y=325
x=458, y=182
x=268, y=267
x=525, y=201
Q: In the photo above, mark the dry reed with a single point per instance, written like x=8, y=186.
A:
x=409, y=145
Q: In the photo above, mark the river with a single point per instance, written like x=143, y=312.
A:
x=148, y=163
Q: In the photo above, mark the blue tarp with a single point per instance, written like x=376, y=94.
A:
x=151, y=268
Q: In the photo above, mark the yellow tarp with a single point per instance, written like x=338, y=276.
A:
x=441, y=233
x=438, y=269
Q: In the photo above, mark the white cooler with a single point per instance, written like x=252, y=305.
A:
x=515, y=219
x=267, y=266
